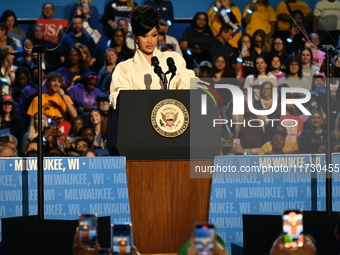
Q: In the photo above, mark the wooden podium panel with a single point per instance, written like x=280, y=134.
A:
x=165, y=202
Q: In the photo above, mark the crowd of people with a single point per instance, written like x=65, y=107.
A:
x=260, y=47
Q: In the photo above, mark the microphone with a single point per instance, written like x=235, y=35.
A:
x=147, y=81
x=172, y=67
x=157, y=69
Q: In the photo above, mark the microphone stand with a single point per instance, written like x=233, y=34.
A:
x=40, y=50
x=165, y=82
x=327, y=49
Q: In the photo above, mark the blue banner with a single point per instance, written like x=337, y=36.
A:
x=71, y=186
x=267, y=193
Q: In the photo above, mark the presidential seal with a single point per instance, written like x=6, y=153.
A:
x=170, y=118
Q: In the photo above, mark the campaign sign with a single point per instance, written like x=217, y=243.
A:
x=53, y=28
x=252, y=189
x=72, y=186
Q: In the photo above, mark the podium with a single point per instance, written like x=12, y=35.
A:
x=164, y=200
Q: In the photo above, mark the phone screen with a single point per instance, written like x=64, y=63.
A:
x=122, y=238
x=88, y=230
x=292, y=224
x=204, y=235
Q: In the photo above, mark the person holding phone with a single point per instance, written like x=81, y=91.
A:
x=88, y=12
x=308, y=247
x=130, y=74
x=225, y=12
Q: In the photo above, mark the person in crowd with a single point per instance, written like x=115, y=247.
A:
x=220, y=44
x=225, y=12
x=314, y=44
x=31, y=149
x=294, y=76
x=118, y=42
x=56, y=140
x=32, y=131
x=261, y=44
x=243, y=61
x=220, y=68
x=55, y=152
x=76, y=124
x=48, y=10
x=50, y=57
x=131, y=73
x=205, y=69
x=308, y=69
x=123, y=23
x=110, y=61
x=8, y=151
x=7, y=68
x=22, y=78
x=275, y=67
x=326, y=21
x=31, y=91
x=195, y=40
x=5, y=39
x=288, y=146
x=114, y=10
x=84, y=93
x=261, y=75
x=298, y=33
x=284, y=10
x=88, y=132
x=279, y=48
x=161, y=38
x=76, y=36
x=319, y=100
x=13, y=141
x=308, y=247
x=336, y=135
x=9, y=119
x=87, y=58
x=74, y=67
x=103, y=103
x=250, y=136
x=55, y=102
x=11, y=21
x=259, y=15
x=265, y=101
x=26, y=60
x=88, y=12
x=99, y=125
x=90, y=153
x=164, y=27
x=277, y=142
x=82, y=144
x=164, y=8
x=313, y=140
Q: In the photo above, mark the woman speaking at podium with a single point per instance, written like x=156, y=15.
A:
x=149, y=68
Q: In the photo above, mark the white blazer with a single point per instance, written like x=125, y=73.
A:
x=137, y=74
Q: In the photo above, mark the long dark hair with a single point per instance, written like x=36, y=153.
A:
x=227, y=70
x=194, y=20
x=311, y=55
x=288, y=68
x=239, y=42
x=112, y=44
x=9, y=13
x=256, y=72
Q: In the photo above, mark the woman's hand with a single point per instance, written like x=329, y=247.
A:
x=278, y=248
x=80, y=249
